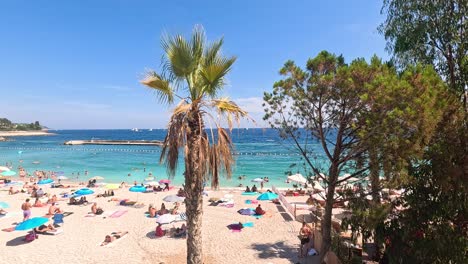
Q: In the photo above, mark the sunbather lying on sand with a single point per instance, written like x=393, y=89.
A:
x=112, y=237
x=44, y=228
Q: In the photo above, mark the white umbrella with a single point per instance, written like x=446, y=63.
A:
x=151, y=183
x=97, y=178
x=257, y=180
x=3, y=168
x=318, y=186
x=166, y=219
x=297, y=178
x=61, y=178
x=318, y=197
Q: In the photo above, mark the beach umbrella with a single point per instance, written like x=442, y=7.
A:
x=297, y=178
x=62, y=178
x=257, y=180
x=267, y=196
x=8, y=173
x=151, y=178
x=83, y=191
x=4, y=205
x=138, y=189
x=97, y=178
x=246, y=211
x=318, y=197
x=173, y=199
x=112, y=186
x=165, y=181
x=32, y=223
x=152, y=183
x=166, y=219
x=3, y=168
x=45, y=181
x=318, y=186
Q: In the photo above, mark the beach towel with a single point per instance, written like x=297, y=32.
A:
x=248, y=224
x=249, y=193
x=148, y=215
x=183, y=216
x=118, y=214
x=10, y=214
x=54, y=233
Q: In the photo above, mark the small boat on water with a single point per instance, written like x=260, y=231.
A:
x=135, y=129
x=150, y=129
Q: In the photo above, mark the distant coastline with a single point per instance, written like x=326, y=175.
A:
x=21, y=133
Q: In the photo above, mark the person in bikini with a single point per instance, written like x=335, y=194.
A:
x=112, y=237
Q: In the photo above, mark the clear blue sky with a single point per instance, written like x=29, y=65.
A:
x=76, y=64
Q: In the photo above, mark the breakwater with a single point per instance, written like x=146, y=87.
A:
x=115, y=142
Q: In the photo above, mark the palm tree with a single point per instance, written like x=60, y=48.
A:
x=198, y=71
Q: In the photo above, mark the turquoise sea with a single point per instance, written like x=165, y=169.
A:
x=259, y=153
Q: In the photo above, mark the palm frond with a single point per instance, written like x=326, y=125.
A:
x=179, y=55
x=212, y=52
x=174, y=140
x=162, y=87
x=220, y=157
x=213, y=74
x=229, y=109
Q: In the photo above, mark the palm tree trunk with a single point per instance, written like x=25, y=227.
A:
x=194, y=190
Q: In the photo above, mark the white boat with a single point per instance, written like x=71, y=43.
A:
x=135, y=129
x=150, y=129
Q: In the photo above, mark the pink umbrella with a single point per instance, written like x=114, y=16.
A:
x=165, y=181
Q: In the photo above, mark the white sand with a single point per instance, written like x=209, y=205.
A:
x=24, y=133
x=271, y=240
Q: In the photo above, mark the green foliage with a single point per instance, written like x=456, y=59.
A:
x=430, y=32
x=6, y=125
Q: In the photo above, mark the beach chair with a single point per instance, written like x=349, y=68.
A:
x=58, y=219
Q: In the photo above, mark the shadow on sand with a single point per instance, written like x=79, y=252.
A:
x=16, y=242
x=276, y=250
x=151, y=234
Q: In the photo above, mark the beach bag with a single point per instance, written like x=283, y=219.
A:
x=31, y=237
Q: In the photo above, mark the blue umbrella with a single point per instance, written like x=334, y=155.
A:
x=84, y=191
x=45, y=181
x=8, y=173
x=267, y=196
x=137, y=188
x=32, y=223
x=4, y=205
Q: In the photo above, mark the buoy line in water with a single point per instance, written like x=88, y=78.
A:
x=138, y=151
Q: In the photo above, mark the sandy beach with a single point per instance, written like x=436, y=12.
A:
x=25, y=133
x=270, y=240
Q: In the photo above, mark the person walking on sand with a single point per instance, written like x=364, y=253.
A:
x=26, y=207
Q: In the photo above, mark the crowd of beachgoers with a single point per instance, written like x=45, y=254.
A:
x=85, y=222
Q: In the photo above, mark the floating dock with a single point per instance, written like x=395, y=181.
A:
x=115, y=142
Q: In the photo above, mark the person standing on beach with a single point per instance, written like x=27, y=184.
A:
x=26, y=207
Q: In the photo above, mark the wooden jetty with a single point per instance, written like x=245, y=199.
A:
x=115, y=142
